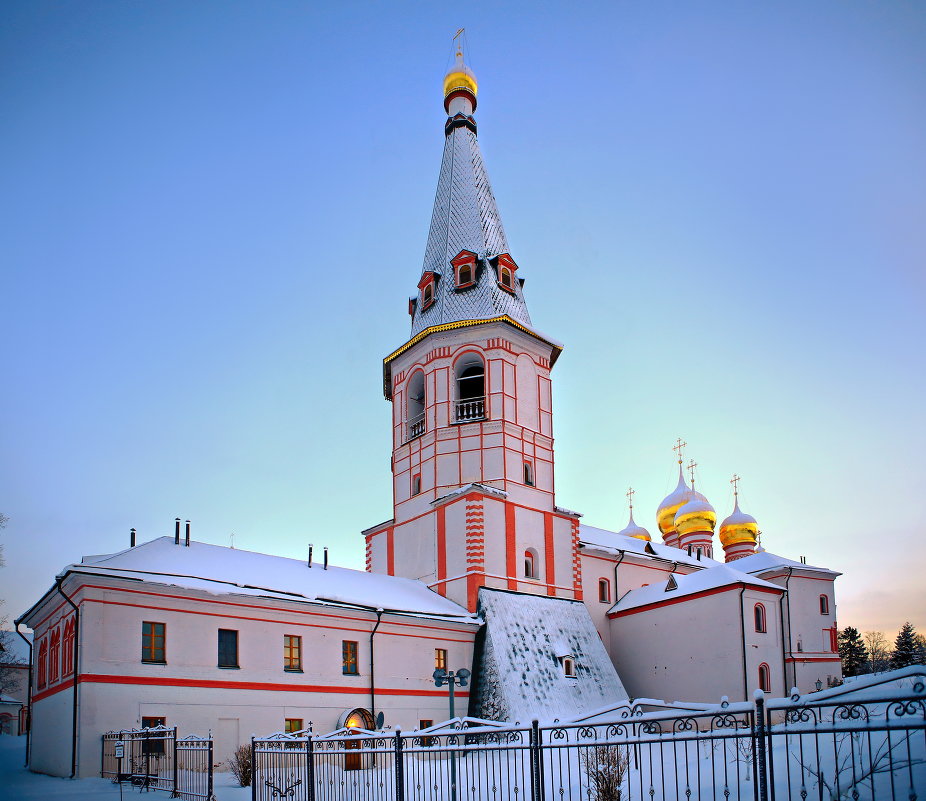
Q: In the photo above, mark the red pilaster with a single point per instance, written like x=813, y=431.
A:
x=548, y=556
x=441, y=549
x=511, y=558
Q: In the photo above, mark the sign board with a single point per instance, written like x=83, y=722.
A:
x=120, y=749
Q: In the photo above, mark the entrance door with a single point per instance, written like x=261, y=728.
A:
x=357, y=719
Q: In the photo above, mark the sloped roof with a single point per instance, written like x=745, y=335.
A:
x=12, y=648
x=720, y=575
x=764, y=561
x=465, y=217
x=219, y=570
x=615, y=541
x=518, y=672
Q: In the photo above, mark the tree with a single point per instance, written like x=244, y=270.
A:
x=852, y=652
x=878, y=655
x=906, y=648
x=9, y=662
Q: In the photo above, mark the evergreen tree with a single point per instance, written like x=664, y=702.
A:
x=906, y=648
x=852, y=652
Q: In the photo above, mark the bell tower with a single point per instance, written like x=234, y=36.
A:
x=471, y=394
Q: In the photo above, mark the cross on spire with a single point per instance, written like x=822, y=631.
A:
x=735, y=482
x=679, y=446
x=630, y=493
x=692, y=464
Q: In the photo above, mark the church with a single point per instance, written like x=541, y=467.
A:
x=478, y=567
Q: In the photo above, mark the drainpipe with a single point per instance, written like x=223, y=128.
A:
x=786, y=644
x=379, y=615
x=76, y=675
x=743, y=633
x=616, y=566
x=28, y=697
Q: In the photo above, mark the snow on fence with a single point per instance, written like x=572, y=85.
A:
x=861, y=743
x=155, y=759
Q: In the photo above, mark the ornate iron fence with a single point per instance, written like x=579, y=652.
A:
x=800, y=747
x=155, y=759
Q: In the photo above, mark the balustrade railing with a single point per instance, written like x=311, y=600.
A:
x=470, y=409
x=415, y=427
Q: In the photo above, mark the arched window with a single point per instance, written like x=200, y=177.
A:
x=824, y=605
x=414, y=406
x=765, y=681
x=465, y=275
x=530, y=563
x=54, y=655
x=569, y=667
x=427, y=296
x=506, y=280
x=760, y=618
x=67, y=649
x=470, y=373
x=604, y=591
x=43, y=664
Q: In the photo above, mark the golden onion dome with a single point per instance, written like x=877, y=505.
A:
x=695, y=515
x=634, y=530
x=738, y=528
x=460, y=76
x=665, y=515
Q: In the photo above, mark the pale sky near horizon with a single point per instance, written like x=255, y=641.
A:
x=213, y=215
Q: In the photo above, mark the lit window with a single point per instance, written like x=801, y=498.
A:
x=292, y=652
x=529, y=474
x=824, y=605
x=604, y=591
x=426, y=742
x=228, y=648
x=292, y=725
x=760, y=618
x=349, y=658
x=152, y=642
x=569, y=667
x=440, y=659
x=765, y=683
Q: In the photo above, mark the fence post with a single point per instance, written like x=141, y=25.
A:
x=762, y=775
x=176, y=787
x=536, y=768
x=310, y=753
x=210, y=768
x=253, y=770
x=399, y=767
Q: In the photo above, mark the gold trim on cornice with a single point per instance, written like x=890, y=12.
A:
x=504, y=318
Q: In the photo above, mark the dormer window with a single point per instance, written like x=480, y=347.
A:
x=506, y=267
x=464, y=269
x=426, y=285
x=569, y=667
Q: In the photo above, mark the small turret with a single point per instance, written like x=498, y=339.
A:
x=695, y=521
x=739, y=533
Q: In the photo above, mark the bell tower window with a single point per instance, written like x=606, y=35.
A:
x=506, y=267
x=414, y=405
x=530, y=563
x=426, y=285
x=471, y=389
x=464, y=266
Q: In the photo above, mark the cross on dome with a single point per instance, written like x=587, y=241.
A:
x=630, y=493
x=692, y=464
x=735, y=482
x=678, y=448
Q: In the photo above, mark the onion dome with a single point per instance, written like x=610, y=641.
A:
x=695, y=515
x=739, y=528
x=665, y=515
x=460, y=80
x=633, y=530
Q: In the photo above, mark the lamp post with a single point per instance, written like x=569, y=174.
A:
x=452, y=678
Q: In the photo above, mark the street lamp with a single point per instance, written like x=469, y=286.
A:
x=819, y=685
x=442, y=677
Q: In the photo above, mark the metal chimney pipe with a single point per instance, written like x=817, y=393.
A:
x=187, y=533
x=132, y=538
x=326, y=557
x=310, y=554
x=176, y=531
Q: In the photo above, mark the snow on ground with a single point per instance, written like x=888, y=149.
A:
x=19, y=784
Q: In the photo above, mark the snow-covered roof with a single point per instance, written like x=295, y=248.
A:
x=220, y=571
x=518, y=666
x=12, y=648
x=615, y=541
x=764, y=561
x=700, y=581
x=9, y=699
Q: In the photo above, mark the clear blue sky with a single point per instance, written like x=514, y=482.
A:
x=212, y=215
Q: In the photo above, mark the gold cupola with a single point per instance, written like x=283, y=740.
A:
x=695, y=515
x=460, y=82
x=739, y=528
x=665, y=515
x=632, y=529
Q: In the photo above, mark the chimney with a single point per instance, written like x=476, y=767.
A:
x=326, y=557
x=176, y=531
x=310, y=554
x=187, y=533
x=132, y=538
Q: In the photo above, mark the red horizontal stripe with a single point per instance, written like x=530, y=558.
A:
x=168, y=681
x=64, y=685
x=689, y=597
x=813, y=659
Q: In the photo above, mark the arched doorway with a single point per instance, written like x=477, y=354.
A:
x=353, y=720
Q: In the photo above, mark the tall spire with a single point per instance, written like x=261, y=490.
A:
x=465, y=218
